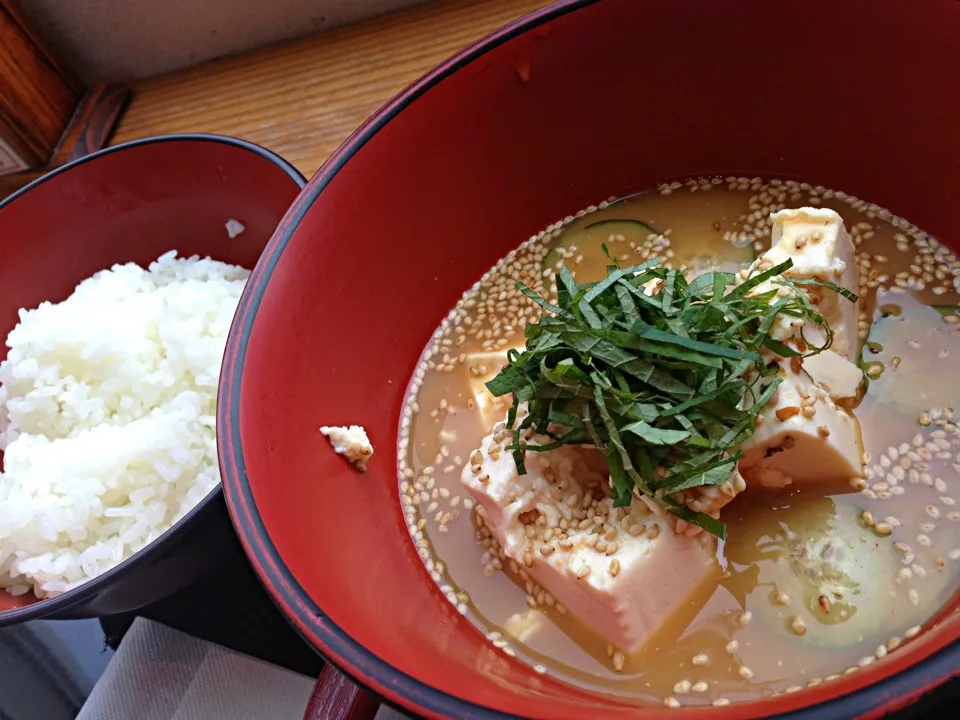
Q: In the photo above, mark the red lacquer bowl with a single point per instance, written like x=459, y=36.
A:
x=575, y=103
x=131, y=203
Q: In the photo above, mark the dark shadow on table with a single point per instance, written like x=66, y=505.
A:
x=228, y=607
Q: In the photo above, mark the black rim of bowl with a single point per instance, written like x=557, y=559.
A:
x=91, y=588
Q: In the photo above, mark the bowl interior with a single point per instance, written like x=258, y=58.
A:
x=131, y=204
x=587, y=101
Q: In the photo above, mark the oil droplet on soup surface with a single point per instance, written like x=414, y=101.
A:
x=815, y=585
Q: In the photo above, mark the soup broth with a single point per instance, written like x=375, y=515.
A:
x=808, y=585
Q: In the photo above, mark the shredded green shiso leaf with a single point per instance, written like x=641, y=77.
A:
x=667, y=386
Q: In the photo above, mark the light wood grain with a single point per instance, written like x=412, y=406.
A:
x=302, y=99
x=38, y=94
x=88, y=131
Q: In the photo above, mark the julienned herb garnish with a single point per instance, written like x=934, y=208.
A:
x=668, y=385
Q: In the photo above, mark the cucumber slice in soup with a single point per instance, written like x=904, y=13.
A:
x=592, y=236
x=844, y=573
x=837, y=574
x=915, y=349
x=698, y=254
x=612, y=223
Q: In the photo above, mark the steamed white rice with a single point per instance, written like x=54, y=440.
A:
x=107, y=418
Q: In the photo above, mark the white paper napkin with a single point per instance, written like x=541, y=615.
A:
x=162, y=674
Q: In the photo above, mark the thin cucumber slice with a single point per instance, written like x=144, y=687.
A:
x=589, y=237
x=910, y=346
x=697, y=255
x=639, y=224
x=837, y=575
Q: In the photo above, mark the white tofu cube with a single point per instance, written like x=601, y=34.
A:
x=802, y=437
x=623, y=572
x=835, y=374
x=820, y=247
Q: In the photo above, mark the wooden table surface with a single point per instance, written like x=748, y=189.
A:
x=302, y=99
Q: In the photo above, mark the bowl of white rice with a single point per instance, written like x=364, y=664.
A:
x=121, y=274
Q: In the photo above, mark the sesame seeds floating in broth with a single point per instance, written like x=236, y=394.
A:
x=905, y=505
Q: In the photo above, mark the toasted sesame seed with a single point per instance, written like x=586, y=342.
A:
x=779, y=597
x=798, y=626
x=618, y=661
